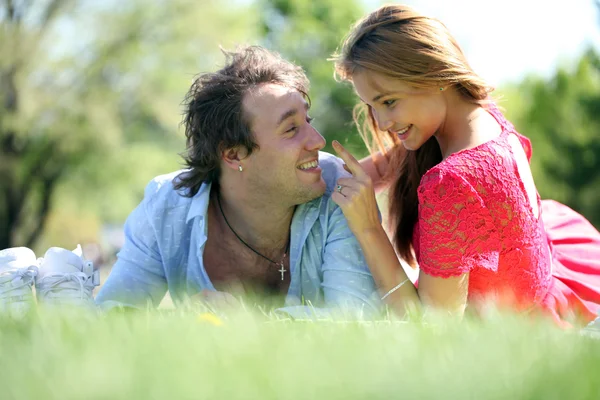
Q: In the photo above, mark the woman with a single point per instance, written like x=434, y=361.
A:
x=462, y=195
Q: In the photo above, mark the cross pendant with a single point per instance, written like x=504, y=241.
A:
x=282, y=270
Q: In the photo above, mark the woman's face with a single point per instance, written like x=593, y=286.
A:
x=412, y=114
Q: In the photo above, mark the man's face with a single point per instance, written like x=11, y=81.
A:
x=285, y=167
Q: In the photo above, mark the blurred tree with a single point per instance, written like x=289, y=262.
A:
x=89, y=100
x=308, y=33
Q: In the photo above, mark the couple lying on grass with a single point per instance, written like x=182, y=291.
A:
x=260, y=209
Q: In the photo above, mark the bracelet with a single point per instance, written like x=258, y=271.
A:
x=392, y=290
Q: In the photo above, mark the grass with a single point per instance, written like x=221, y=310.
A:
x=185, y=355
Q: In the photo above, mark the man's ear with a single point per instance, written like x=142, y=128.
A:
x=234, y=157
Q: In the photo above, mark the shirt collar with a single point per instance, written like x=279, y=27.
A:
x=200, y=201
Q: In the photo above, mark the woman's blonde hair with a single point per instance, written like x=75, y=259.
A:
x=398, y=42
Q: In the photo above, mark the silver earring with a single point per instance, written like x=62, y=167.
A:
x=240, y=168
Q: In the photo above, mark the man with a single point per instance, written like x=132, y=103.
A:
x=253, y=211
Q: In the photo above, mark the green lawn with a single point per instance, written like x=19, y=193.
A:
x=179, y=355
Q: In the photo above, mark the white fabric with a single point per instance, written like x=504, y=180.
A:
x=66, y=278
x=18, y=269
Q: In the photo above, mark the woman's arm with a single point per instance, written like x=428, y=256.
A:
x=448, y=294
x=356, y=197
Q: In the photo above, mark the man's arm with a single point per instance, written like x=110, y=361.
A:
x=137, y=279
x=347, y=281
x=348, y=286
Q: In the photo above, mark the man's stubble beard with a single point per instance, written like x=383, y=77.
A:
x=289, y=196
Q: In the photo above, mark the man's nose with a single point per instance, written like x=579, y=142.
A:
x=315, y=141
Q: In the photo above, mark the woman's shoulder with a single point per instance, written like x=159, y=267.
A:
x=449, y=170
x=508, y=127
x=446, y=182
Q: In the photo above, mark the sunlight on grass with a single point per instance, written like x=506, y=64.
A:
x=177, y=354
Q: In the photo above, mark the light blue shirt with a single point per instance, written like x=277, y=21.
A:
x=166, y=234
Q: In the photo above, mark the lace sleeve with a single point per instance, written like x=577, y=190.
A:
x=456, y=230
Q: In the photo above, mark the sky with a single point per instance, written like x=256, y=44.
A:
x=506, y=39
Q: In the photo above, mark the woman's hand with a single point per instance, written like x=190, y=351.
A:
x=355, y=195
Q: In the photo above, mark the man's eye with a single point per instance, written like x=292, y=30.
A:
x=292, y=129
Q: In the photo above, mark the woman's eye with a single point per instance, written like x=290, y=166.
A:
x=388, y=102
x=292, y=129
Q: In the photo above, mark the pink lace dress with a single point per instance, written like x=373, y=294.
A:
x=475, y=216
